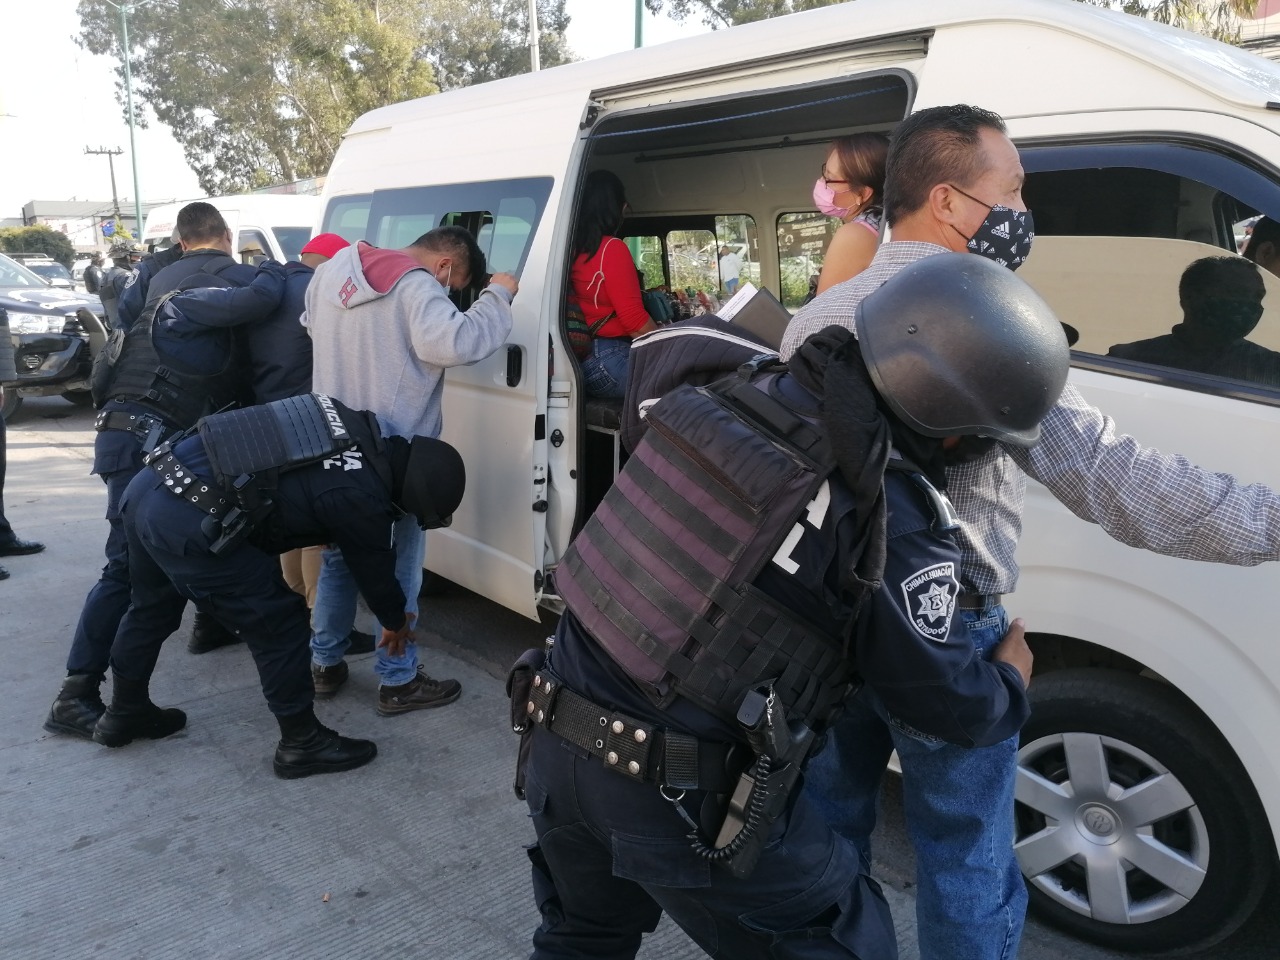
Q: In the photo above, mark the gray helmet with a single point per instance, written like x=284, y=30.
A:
x=120, y=251
x=956, y=345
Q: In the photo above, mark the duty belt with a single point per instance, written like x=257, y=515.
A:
x=195, y=490
x=635, y=749
x=978, y=601
x=145, y=426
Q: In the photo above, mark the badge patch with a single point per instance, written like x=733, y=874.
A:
x=930, y=596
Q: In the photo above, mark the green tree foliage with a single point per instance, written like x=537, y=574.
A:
x=470, y=42
x=38, y=239
x=260, y=91
x=1216, y=18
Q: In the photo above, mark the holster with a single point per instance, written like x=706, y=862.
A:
x=519, y=686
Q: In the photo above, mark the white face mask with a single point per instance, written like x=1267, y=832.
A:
x=448, y=278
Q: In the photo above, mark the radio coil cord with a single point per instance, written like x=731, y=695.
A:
x=753, y=815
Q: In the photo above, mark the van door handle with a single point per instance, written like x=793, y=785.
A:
x=515, y=365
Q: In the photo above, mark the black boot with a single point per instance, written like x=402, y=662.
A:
x=133, y=715
x=307, y=747
x=77, y=706
x=208, y=634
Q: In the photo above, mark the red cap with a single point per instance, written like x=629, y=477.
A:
x=325, y=244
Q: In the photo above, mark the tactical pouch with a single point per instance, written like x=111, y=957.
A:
x=519, y=686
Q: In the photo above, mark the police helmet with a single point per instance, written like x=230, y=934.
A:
x=957, y=345
x=433, y=482
x=120, y=251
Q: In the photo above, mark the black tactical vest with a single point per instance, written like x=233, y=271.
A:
x=661, y=575
x=175, y=392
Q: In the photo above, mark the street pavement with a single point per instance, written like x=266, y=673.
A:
x=190, y=847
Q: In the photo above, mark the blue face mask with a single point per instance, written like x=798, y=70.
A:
x=1005, y=235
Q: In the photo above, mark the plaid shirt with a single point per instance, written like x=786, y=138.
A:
x=1138, y=495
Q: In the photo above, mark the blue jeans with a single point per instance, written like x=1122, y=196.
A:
x=605, y=370
x=334, y=615
x=612, y=855
x=970, y=900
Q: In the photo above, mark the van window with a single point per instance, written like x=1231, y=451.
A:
x=1116, y=227
x=252, y=247
x=502, y=213
x=292, y=240
x=802, y=243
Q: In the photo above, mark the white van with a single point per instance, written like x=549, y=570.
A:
x=1149, y=800
x=278, y=225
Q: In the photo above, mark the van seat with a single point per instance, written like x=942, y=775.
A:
x=604, y=414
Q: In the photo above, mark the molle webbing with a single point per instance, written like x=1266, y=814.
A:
x=274, y=436
x=661, y=573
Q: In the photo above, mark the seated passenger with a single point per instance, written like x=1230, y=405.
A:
x=1263, y=245
x=603, y=282
x=1221, y=301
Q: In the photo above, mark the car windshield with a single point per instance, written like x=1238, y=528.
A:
x=51, y=271
x=15, y=275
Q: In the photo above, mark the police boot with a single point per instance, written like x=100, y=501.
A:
x=208, y=634
x=133, y=715
x=77, y=706
x=308, y=747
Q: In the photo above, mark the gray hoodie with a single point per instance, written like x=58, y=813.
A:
x=383, y=330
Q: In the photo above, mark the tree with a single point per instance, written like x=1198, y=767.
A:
x=1216, y=18
x=38, y=239
x=469, y=42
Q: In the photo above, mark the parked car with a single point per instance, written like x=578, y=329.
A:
x=55, y=336
x=53, y=273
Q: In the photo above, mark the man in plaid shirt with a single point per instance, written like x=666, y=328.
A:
x=954, y=183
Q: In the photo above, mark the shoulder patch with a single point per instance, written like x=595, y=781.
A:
x=930, y=597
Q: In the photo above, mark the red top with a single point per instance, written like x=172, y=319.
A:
x=607, y=283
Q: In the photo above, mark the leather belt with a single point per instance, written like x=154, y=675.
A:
x=183, y=483
x=978, y=601
x=635, y=749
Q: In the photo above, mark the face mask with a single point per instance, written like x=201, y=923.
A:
x=448, y=278
x=824, y=199
x=1005, y=235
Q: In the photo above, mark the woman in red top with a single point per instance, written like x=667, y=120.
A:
x=604, y=283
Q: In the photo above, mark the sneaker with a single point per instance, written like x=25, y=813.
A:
x=420, y=693
x=328, y=680
x=359, y=642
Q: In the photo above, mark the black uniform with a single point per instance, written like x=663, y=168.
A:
x=341, y=500
x=613, y=852
x=195, y=341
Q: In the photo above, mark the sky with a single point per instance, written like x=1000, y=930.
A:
x=56, y=99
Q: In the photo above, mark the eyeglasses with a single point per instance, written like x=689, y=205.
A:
x=830, y=180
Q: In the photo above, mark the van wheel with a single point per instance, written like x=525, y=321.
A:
x=81, y=398
x=1137, y=826
x=12, y=404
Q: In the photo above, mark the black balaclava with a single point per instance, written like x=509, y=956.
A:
x=427, y=479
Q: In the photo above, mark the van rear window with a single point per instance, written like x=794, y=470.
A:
x=502, y=213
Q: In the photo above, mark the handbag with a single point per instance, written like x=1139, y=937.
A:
x=578, y=334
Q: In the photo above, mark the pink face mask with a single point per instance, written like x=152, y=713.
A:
x=824, y=199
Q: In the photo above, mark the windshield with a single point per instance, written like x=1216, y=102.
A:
x=51, y=271
x=16, y=275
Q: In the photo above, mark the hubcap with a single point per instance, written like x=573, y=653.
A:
x=1106, y=830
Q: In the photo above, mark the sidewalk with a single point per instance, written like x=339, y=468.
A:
x=190, y=846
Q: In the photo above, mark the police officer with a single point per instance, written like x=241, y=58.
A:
x=114, y=282
x=305, y=470
x=175, y=363
x=134, y=296
x=771, y=542
x=93, y=274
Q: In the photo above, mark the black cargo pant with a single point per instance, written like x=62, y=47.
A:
x=612, y=855
x=170, y=562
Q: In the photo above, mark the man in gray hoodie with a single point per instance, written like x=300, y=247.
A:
x=383, y=332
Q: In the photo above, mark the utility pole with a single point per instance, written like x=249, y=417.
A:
x=639, y=24
x=111, y=155
x=126, y=9
x=535, y=59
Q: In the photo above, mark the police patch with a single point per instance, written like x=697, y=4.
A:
x=930, y=597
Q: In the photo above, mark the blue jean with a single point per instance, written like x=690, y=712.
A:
x=970, y=900
x=334, y=615
x=612, y=855
x=605, y=370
